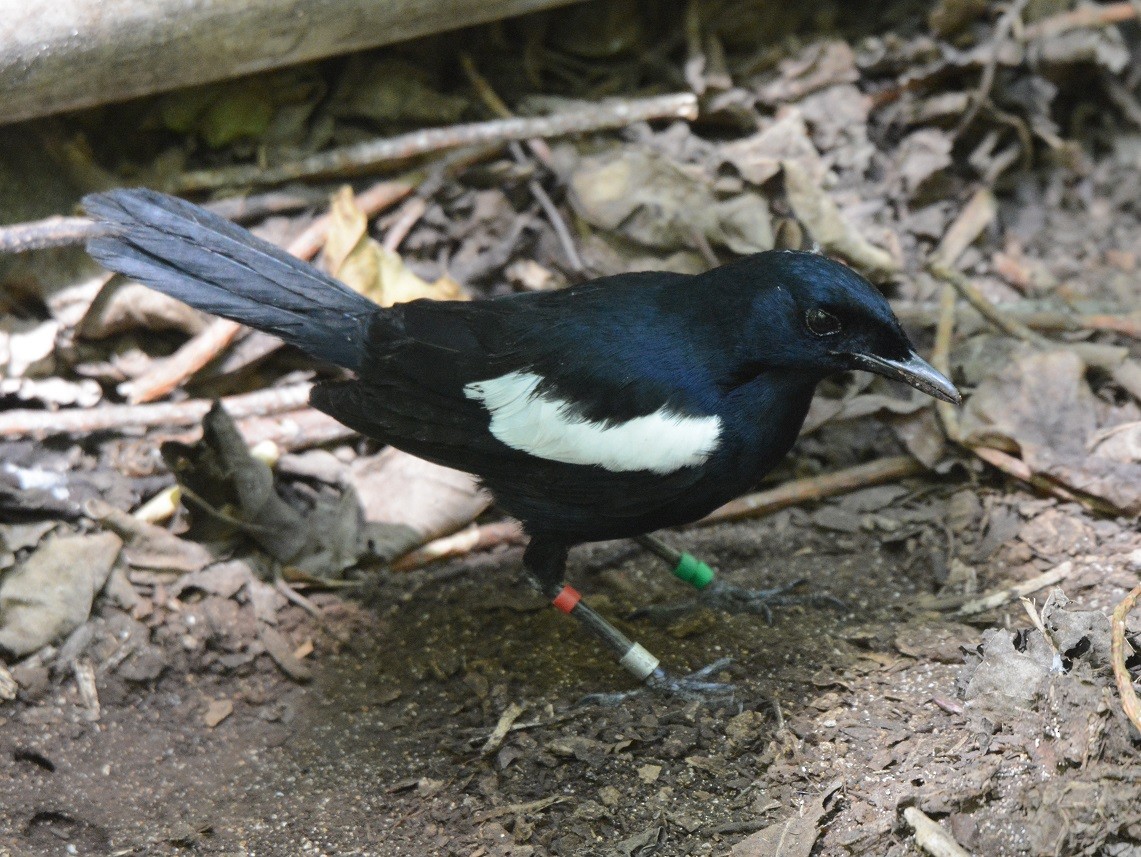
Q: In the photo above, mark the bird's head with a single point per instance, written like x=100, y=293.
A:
x=816, y=314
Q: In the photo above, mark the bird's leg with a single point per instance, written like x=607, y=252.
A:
x=719, y=594
x=545, y=560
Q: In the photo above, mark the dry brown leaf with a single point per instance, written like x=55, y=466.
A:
x=50, y=594
x=921, y=155
x=398, y=489
x=124, y=305
x=835, y=234
x=818, y=66
x=656, y=202
x=1040, y=403
x=26, y=346
x=793, y=837
x=758, y=157
x=365, y=266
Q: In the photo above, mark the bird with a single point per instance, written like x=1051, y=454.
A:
x=606, y=410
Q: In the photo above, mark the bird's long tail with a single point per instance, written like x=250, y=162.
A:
x=188, y=253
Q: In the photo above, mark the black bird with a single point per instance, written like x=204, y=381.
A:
x=602, y=411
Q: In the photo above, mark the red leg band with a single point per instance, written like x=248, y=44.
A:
x=567, y=598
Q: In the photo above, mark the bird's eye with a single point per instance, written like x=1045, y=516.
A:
x=821, y=323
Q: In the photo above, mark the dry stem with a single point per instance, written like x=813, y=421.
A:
x=374, y=153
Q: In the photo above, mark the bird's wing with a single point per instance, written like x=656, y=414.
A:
x=487, y=386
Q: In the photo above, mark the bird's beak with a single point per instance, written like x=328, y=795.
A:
x=913, y=370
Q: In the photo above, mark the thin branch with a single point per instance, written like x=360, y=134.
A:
x=985, y=307
x=814, y=488
x=82, y=421
x=539, y=149
x=374, y=153
x=1082, y=17
x=50, y=232
x=487, y=536
x=406, y=218
x=1129, y=701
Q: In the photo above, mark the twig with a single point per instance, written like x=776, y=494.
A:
x=498, y=106
x=374, y=153
x=293, y=430
x=166, y=375
x=469, y=540
x=1033, y=313
x=407, y=216
x=258, y=206
x=1021, y=471
x=169, y=374
x=487, y=536
x=1127, y=325
x=41, y=234
x=293, y=595
x=985, y=308
x=558, y=224
x=814, y=488
x=1129, y=701
x=948, y=705
x=947, y=414
x=29, y=423
x=59, y=231
x=1083, y=16
x=986, y=81
x=502, y=728
x=539, y=149
x=971, y=222
x=371, y=201
x=930, y=835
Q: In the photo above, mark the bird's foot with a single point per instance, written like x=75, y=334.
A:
x=732, y=598
x=739, y=599
x=695, y=685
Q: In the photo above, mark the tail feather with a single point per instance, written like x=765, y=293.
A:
x=197, y=257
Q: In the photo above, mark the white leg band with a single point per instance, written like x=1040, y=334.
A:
x=639, y=662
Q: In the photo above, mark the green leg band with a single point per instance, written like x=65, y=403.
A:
x=693, y=571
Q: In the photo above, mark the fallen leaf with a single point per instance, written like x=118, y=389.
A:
x=50, y=594
x=818, y=66
x=659, y=203
x=758, y=157
x=26, y=346
x=217, y=711
x=368, y=268
x=124, y=305
x=793, y=837
x=385, y=90
x=921, y=155
x=1040, y=402
x=427, y=500
x=835, y=234
x=279, y=648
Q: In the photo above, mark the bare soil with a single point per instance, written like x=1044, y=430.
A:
x=381, y=753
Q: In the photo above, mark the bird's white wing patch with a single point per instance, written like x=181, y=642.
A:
x=546, y=427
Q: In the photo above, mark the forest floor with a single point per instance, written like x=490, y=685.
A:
x=184, y=683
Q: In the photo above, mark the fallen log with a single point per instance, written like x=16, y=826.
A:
x=58, y=55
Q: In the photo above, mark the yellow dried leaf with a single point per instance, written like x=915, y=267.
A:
x=365, y=266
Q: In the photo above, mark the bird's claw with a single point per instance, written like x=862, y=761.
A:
x=738, y=599
x=732, y=598
x=695, y=685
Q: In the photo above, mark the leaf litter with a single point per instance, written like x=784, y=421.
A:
x=221, y=632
